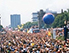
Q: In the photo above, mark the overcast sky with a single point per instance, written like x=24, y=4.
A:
x=26, y=7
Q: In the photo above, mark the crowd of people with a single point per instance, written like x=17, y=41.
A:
x=21, y=42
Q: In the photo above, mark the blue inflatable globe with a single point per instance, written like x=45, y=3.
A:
x=48, y=18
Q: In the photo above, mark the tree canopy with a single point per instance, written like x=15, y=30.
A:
x=1, y=27
x=58, y=22
x=29, y=24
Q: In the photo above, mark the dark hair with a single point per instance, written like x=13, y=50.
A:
x=24, y=51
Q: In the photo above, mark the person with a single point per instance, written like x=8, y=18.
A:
x=49, y=33
x=54, y=33
x=65, y=33
x=46, y=33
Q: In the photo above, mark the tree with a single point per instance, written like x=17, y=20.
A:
x=58, y=22
x=60, y=18
x=1, y=27
x=29, y=24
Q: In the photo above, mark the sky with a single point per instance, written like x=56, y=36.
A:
x=26, y=7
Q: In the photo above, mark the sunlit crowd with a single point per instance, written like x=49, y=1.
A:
x=21, y=42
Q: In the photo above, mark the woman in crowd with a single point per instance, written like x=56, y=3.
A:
x=19, y=42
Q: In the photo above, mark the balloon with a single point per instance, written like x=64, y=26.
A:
x=48, y=18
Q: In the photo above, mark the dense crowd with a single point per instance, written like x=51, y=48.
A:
x=21, y=42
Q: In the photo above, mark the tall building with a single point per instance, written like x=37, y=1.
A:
x=35, y=17
x=50, y=11
x=15, y=20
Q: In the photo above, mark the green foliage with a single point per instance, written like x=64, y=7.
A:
x=1, y=27
x=29, y=24
x=60, y=38
x=59, y=20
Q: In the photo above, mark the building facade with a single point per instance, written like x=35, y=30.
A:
x=50, y=11
x=35, y=17
x=15, y=20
